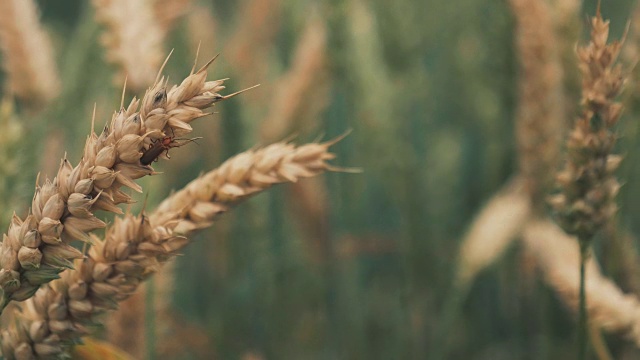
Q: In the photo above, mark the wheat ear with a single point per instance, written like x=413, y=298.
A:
x=586, y=201
x=134, y=247
x=133, y=39
x=588, y=186
x=28, y=56
x=539, y=114
x=36, y=249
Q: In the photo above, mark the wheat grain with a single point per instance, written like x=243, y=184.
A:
x=37, y=248
x=135, y=246
x=28, y=56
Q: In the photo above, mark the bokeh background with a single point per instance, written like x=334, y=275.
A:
x=344, y=266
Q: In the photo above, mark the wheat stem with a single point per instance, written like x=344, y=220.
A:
x=583, y=320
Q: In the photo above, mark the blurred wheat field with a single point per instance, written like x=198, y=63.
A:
x=442, y=248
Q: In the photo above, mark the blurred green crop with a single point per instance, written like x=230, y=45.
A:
x=429, y=88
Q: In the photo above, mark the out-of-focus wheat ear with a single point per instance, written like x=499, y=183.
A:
x=303, y=90
x=558, y=257
x=251, y=41
x=588, y=186
x=11, y=135
x=540, y=113
x=168, y=12
x=496, y=227
x=134, y=247
x=202, y=28
x=134, y=46
x=28, y=57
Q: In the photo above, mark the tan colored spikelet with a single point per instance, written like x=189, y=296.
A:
x=558, y=257
x=497, y=225
x=133, y=39
x=28, y=57
x=588, y=186
x=36, y=249
x=135, y=246
x=303, y=90
x=539, y=117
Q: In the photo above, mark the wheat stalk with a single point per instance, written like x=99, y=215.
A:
x=28, y=56
x=37, y=248
x=135, y=246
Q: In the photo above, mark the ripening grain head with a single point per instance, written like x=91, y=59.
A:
x=28, y=57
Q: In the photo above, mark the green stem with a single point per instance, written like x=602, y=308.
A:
x=582, y=325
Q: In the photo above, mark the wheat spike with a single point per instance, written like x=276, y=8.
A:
x=135, y=246
x=36, y=249
x=497, y=225
x=133, y=39
x=28, y=55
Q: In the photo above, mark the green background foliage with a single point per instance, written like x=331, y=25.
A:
x=429, y=88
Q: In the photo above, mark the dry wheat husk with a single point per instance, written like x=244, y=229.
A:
x=135, y=246
x=28, y=57
x=587, y=182
x=558, y=257
x=36, y=249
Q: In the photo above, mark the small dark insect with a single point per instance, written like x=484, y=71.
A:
x=157, y=147
x=160, y=98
